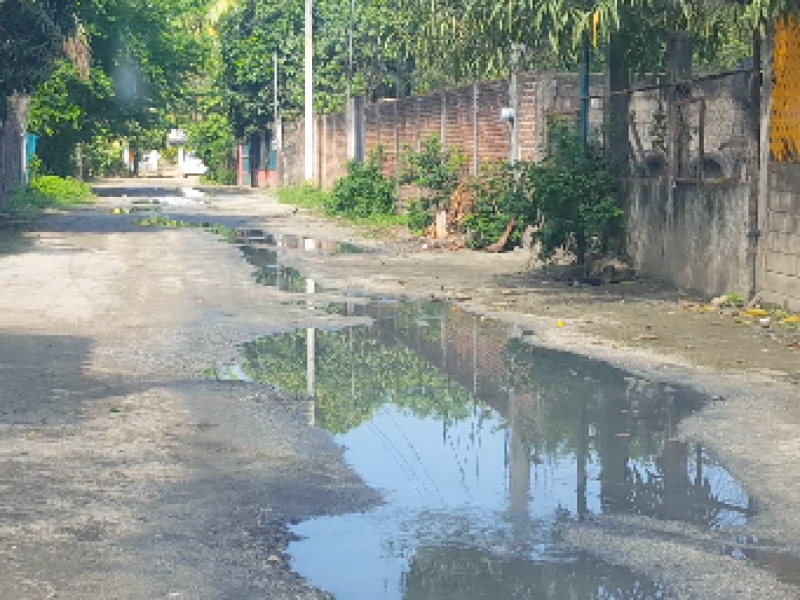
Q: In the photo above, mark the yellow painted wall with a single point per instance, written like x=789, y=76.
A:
x=785, y=124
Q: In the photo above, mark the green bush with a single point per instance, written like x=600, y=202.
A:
x=576, y=193
x=435, y=169
x=501, y=192
x=418, y=218
x=47, y=191
x=226, y=176
x=570, y=199
x=364, y=192
x=102, y=158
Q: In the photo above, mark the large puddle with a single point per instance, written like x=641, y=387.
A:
x=484, y=447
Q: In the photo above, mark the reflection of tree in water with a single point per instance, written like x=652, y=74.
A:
x=454, y=573
x=355, y=375
x=644, y=469
x=668, y=491
x=270, y=273
x=436, y=362
x=648, y=494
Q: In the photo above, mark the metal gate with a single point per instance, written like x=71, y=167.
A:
x=245, y=173
x=784, y=139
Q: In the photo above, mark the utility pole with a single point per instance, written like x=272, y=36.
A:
x=276, y=142
x=350, y=35
x=275, y=87
x=513, y=94
x=350, y=104
x=309, y=92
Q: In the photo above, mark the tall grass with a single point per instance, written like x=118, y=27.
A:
x=304, y=196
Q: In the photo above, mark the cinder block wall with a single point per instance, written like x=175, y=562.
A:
x=694, y=235
x=780, y=237
x=725, y=122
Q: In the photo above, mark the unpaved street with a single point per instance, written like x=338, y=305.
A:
x=127, y=474
x=123, y=474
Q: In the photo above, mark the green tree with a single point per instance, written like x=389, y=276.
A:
x=434, y=168
x=32, y=39
x=212, y=137
x=145, y=59
x=252, y=31
x=576, y=205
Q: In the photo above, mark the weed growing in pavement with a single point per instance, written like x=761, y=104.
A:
x=734, y=299
x=225, y=232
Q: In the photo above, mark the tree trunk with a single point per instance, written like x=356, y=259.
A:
x=679, y=72
x=617, y=114
x=12, y=146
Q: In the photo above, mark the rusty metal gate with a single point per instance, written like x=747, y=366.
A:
x=785, y=123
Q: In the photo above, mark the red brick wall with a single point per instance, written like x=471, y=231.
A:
x=331, y=149
x=466, y=118
x=291, y=160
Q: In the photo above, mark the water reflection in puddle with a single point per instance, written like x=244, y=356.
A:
x=271, y=273
x=484, y=446
x=257, y=237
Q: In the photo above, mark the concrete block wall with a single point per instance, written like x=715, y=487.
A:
x=693, y=235
x=779, y=278
x=726, y=122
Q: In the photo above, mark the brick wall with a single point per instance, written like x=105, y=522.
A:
x=331, y=148
x=466, y=118
x=780, y=237
x=291, y=160
x=691, y=233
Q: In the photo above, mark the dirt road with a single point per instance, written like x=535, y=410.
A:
x=127, y=475
x=123, y=474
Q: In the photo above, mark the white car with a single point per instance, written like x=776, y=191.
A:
x=193, y=165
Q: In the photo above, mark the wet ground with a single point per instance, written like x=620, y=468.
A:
x=486, y=448
x=205, y=352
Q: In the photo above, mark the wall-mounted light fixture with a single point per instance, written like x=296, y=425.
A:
x=507, y=115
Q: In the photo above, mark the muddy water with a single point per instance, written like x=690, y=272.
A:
x=484, y=447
